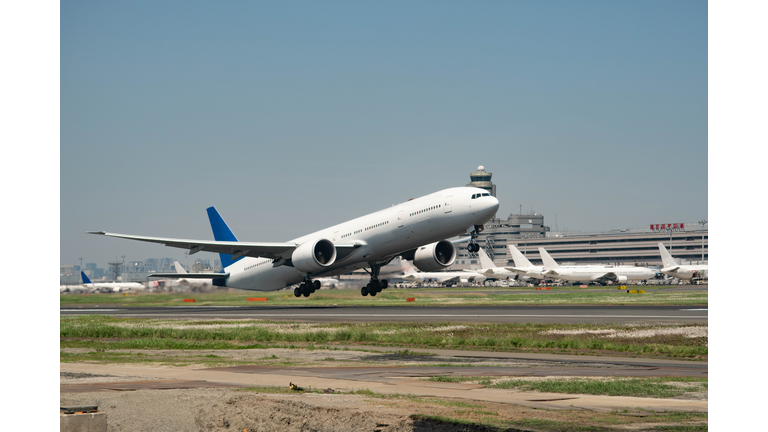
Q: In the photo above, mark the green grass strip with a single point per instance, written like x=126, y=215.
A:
x=637, y=387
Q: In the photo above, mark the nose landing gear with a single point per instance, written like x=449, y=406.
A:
x=473, y=246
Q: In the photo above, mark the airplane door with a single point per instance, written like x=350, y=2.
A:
x=400, y=217
x=448, y=203
x=335, y=236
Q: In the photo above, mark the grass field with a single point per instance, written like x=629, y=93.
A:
x=688, y=341
x=397, y=297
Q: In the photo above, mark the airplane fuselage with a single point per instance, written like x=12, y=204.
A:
x=700, y=271
x=590, y=273
x=381, y=236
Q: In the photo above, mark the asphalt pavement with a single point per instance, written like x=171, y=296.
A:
x=556, y=314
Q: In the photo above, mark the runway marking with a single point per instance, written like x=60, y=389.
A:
x=437, y=316
x=88, y=310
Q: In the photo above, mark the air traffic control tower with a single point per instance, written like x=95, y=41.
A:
x=482, y=179
x=498, y=232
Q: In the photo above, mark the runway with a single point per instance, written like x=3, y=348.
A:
x=472, y=314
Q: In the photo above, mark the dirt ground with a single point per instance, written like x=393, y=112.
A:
x=225, y=409
x=230, y=409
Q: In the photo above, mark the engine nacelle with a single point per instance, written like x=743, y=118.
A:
x=434, y=256
x=314, y=256
x=621, y=279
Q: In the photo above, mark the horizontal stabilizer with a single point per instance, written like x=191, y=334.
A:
x=190, y=275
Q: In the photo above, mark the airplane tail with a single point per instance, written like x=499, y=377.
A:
x=221, y=232
x=85, y=278
x=520, y=260
x=666, y=257
x=549, y=262
x=179, y=268
x=485, y=260
x=408, y=268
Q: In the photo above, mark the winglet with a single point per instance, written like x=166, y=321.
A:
x=85, y=278
x=221, y=232
x=549, y=262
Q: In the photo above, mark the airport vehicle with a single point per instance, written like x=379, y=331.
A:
x=410, y=274
x=111, y=286
x=415, y=230
x=693, y=272
x=523, y=268
x=601, y=274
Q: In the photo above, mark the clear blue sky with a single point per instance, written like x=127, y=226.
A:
x=293, y=116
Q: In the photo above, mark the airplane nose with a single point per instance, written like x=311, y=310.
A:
x=493, y=204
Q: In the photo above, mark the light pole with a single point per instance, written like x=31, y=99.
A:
x=702, y=222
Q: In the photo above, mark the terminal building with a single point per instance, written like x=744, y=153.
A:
x=687, y=241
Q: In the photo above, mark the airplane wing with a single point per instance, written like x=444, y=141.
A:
x=236, y=249
x=670, y=269
x=606, y=276
x=190, y=275
x=451, y=279
x=516, y=270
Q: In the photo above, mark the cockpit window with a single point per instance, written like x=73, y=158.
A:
x=485, y=194
x=474, y=196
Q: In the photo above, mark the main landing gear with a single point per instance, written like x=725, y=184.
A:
x=473, y=246
x=306, y=288
x=375, y=286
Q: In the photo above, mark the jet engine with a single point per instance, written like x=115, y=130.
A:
x=621, y=279
x=314, y=255
x=434, y=256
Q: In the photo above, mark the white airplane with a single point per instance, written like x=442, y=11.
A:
x=411, y=275
x=600, y=274
x=414, y=230
x=523, y=267
x=111, y=286
x=192, y=282
x=489, y=269
x=671, y=268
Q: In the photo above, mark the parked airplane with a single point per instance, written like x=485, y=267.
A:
x=112, y=286
x=489, y=269
x=192, y=282
x=415, y=230
x=600, y=274
x=448, y=278
x=671, y=268
x=523, y=268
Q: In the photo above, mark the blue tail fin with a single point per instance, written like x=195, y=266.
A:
x=85, y=278
x=221, y=232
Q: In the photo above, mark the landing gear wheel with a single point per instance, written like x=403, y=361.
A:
x=305, y=289
x=364, y=291
x=373, y=293
x=316, y=285
x=384, y=284
x=296, y=292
